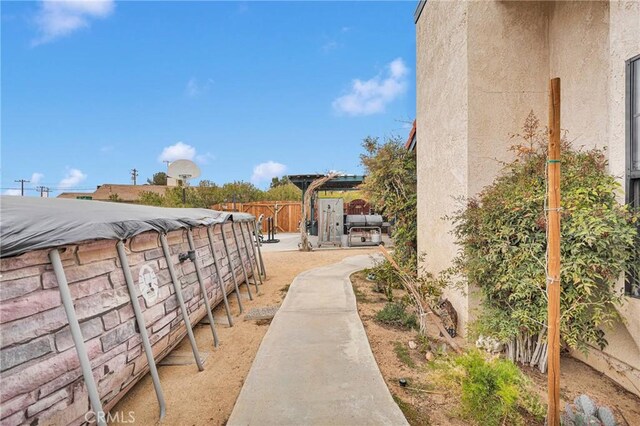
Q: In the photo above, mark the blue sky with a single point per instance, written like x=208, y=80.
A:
x=248, y=90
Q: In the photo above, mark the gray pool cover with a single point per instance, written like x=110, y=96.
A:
x=30, y=223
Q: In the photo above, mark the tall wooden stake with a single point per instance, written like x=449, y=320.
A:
x=553, y=253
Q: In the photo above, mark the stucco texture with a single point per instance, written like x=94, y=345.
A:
x=481, y=68
x=442, y=151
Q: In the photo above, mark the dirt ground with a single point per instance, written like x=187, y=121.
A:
x=424, y=404
x=208, y=397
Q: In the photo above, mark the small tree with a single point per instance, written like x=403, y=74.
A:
x=286, y=192
x=159, y=178
x=241, y=192
x=209, y=193
x=390, y=186
x=502, y=234
x=149, y=198
x=279, y=181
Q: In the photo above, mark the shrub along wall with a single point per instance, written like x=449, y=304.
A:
x=41, y=377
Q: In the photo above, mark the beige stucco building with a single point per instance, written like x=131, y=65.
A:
x=481, y=68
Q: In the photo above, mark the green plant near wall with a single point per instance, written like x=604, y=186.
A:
x=395, y=313
x=390, y=186
x=502, y=235
x=491, y=391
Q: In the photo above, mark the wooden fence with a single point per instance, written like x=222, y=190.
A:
x=286, y=214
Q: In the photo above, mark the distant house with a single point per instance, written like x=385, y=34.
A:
x=116, y=192
x=410, y=144
x=481, y=68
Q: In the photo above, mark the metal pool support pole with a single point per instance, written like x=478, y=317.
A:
x=244, y=268
x=203, y=289
x=183, y=308
x=255, y=230
x=244, y=271
x=233, y=270
x=78, y=340
x=220, y=281
x=254, y=253
x=144, y=336
x=251, y=258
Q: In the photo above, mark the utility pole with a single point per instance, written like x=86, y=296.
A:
x=553, y=255
x=22, y=182
x=134, y=176
x=42, y=190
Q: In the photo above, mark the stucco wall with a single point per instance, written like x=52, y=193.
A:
x=442, y=121
x=507, y=40
x=590, y=42
x=578, y=52
x=512, y=50
x=624, y=43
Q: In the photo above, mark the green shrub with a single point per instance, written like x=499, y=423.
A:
x=403, y=354
x=395, y=314
x=502, y=233
x=390, y=186
x=492, y=391
x=385, y=278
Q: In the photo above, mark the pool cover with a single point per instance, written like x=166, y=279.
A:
x=30, y=223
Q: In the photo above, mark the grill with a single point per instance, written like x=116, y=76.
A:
x=357, y=220
x=368, y=227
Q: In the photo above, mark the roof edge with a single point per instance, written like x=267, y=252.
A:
x=418, y=12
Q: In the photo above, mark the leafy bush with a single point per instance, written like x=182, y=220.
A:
x=390, y=186
x=208, y=193
x=492, y=391
x=502, y=233
x=395, y=314
x=385, y=278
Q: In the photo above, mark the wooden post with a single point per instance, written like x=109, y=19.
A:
x=553, y=253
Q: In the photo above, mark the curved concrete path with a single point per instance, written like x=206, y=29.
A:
x=314, y=365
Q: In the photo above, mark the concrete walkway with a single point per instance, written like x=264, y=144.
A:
x=315, y=366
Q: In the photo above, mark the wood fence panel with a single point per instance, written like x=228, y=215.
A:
x=287, y=214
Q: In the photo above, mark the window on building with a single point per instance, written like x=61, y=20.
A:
x=633, y=157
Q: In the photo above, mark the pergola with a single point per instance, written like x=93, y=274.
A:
x=339, y=183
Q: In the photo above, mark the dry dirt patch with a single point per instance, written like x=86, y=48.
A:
x=208, y=397
x=424, y=404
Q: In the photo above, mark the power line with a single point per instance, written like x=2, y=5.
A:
x=42, y=190
x=22, y=182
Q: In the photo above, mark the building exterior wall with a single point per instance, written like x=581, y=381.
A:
x=579, y=55
x=507, y=40
x=41, y=379
x=512, y=50
x=442, y=122
x=624, y=43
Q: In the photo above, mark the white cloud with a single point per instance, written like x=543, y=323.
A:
x=72, y=178
x=266, y=171
x=196, y=88
x=205, y=158
x=36, y=178
x=14, y=192
x=329, y=46
x=59, y=18
x=178, y=151
x=372, y=96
